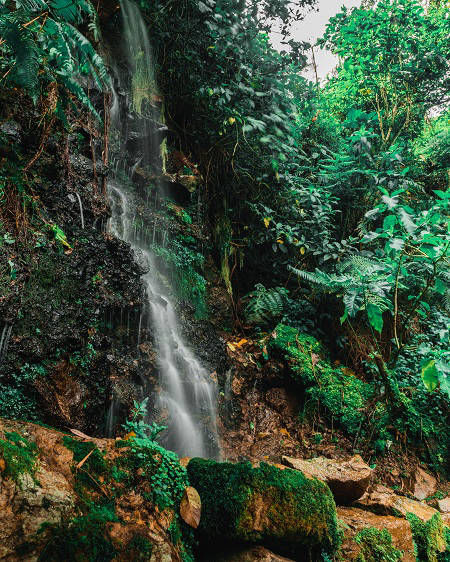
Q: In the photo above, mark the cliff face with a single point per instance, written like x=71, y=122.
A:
x=69, y=290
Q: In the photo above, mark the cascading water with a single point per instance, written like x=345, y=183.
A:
x=187, y=395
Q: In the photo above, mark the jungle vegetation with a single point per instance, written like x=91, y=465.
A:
x=327, y=203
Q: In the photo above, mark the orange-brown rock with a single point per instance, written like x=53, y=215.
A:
x=191, y=507
x=385, y=501
x=348, y=479
x=355, y=520
x=255, y=554
x=444, y=505
x=49, y=496
x=424, y=485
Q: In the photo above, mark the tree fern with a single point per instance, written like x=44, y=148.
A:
x=264, y=305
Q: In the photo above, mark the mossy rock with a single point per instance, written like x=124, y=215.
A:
x=431, y=538
x=338, y=389
x=376, y=546
x=282, y=509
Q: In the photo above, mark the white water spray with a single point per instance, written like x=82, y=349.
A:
x=187, y=395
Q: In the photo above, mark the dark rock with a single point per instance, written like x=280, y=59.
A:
x=12, y=130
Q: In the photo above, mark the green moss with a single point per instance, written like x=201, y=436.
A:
x=376, y=546
x=95, y=465
x=20, y=456
x=142, y=462
x=82, y=538
x=160, y=467
x=139, y=548
x=183, y=264
x=336, y=388
x=429, y=538
x=299, y=513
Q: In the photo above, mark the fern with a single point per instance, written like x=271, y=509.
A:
x=360, y=282
x=40, y=44
x=264, y=305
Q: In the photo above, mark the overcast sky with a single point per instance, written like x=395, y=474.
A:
x=313, y=27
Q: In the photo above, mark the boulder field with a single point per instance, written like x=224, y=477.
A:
x=67, y=496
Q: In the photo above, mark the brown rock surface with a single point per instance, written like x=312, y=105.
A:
x=355, y=520
x=385, y=501
x=348, y=479
x=444, y=505
x=255, y=554
x=191, y=507
x=25, y=505
x=50, y=497
x=424, y=485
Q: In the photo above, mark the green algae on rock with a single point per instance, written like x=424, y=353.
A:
x=265, y=505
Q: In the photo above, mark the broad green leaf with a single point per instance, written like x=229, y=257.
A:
x=430, y=374
x=375, y=317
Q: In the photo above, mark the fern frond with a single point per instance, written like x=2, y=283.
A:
x=317, y=278
x=264, y=304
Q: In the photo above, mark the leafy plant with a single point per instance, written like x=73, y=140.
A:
x=264, y=305
x=40, y=44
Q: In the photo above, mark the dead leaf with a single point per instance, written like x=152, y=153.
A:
x=129, y=436
x=2, y=465
x=241, y=342
x=314, y=358
x=80, y=464
x=231, y=346
x=81, y=434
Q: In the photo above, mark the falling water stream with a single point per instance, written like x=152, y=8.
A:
x=187, y=395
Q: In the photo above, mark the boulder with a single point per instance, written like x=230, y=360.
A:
x=444, y=505
x=191, y=507
x=424, y=485
x=43, y=476
x=356, y=520
x=348, y=479
x=384, y=501
x=281, y=509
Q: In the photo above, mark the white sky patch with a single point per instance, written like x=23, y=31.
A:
x=311, y=29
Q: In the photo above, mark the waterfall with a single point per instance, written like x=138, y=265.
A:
x=187, y=394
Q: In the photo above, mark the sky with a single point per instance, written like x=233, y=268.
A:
x=313, y=27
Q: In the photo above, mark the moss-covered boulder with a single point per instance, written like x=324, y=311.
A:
x=338, y=389
x=282, y=509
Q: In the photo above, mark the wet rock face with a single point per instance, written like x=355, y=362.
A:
x=75, y=298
